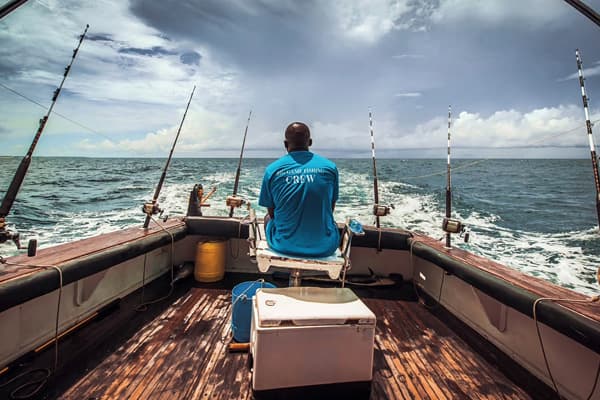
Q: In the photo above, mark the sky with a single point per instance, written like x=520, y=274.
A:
x=506, y=67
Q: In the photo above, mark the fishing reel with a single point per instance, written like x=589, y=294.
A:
x=381, y=210
x=235, y=201
x=6, y=235
x=455, y=226
x=150, y=208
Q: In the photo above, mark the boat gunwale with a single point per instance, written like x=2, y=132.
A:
x=27, y=284
x=579, y=322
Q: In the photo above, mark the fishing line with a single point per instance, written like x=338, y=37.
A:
x=57, y=113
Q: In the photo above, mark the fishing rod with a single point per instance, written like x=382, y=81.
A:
x=585, y=10
x=17, y=181
x=233, y=201
x=378, y=209
x=450, y=225
x=151, y=208
x=588, y=125
x=10, y=6
x=448, y=180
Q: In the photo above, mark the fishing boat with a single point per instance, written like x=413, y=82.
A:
x=449, y=324
x=155, y=312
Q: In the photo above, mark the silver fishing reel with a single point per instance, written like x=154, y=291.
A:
x=150, y=209
x=455, y=226
x=381, y=210
x=6, y=235
x=235, y=201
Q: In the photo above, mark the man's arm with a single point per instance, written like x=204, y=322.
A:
x=271, y=211
x=333, y=206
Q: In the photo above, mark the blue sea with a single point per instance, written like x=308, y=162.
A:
x=537, y=216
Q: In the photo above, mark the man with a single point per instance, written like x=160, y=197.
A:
x=300, y=190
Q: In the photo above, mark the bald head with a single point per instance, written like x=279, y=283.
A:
x=297, y=137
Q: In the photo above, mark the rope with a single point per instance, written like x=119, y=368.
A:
x=537, y=328
x=143, y=305
x=20, y=392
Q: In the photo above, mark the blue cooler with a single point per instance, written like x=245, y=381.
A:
x=241, y=310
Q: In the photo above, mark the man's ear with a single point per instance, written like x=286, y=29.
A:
x=285, y=144
x=309, y=142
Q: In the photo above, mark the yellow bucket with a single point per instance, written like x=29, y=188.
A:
x=210, y=261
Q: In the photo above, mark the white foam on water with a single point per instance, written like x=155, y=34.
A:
x=559, y=258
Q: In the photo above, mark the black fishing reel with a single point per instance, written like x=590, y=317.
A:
x=455, y=226
x=381, y=210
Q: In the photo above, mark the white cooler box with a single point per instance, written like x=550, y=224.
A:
x=305, y=336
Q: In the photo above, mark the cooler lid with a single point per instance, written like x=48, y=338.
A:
x=310, y=306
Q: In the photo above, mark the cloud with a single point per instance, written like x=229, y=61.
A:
x=405, y=56
x=153, y=51
x=548, y=126
x=190, y=58
x=323, y=62
x=499, y=12
x=369, y=20
x=125, y=60
x=587, y=72
x=99, y=37
x=408, y=94
x=203, y=130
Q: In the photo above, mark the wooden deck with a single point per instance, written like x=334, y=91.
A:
x=182, y=354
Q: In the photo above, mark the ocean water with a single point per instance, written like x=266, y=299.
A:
x=537, y=216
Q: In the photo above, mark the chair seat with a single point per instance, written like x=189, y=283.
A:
x=267, y=258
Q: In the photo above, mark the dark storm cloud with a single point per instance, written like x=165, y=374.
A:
x=256, y=35
x=7, y=70
x=293, y=53
x=153, y=51
x=190, y=58
x=99, y=37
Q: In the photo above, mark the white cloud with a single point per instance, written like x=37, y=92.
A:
x=404, y=56
x=499, y=11
x=553, y=126
x=104, y=70
x=544, y=127
x=587, y=72
x=368, y=21
x=408, y=94
x=203, y=130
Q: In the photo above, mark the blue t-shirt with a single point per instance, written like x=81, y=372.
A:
x=301, y=186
